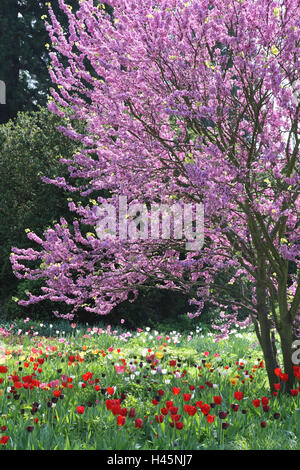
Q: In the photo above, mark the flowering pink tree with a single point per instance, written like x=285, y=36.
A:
x=190, y=101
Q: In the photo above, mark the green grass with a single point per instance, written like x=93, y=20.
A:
x=204, y=361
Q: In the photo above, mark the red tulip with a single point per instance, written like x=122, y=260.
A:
x=205, y=408
x=4, y=440
x=265, y=401
x=121, y=420
x=179, y=425
x=217, y=399
x=238, y=395
x=159, y=418
x=116, y=409
x=192, y=410
x=284, y=377
x=173, y=410
x=210, y=418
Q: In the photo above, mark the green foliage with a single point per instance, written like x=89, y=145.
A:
x=153, y=308
x=157, y=307
x=39, y=311
x=150, y=308
x=30, y=147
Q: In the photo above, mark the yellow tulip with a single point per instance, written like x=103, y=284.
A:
x=159, y=355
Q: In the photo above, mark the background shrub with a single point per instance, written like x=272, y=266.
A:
x=30, y=147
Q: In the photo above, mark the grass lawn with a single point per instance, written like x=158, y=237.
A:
x=95, y=388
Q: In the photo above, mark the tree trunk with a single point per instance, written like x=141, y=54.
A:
x=267, y=346
x=285, y=331
x=265, y=327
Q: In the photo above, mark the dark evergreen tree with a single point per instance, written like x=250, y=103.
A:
x=24, y=58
